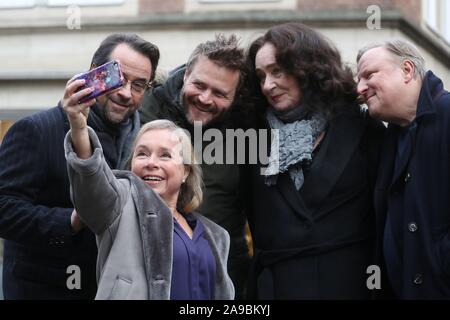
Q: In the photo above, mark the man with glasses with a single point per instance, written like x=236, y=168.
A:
x=48, y=253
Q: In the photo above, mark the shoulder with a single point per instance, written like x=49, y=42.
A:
x=166, y=89
x=373, y=126
x=433, y=89
x=214, y=228
x=360, y=114
x=443, y=102
x=442, y=107
x=47, y=120
x=53, y=115
x=356, y=121
x=156, y=105
x=43, y=123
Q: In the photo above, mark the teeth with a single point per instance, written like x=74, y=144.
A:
x=151, y=178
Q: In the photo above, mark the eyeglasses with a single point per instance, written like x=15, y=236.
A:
x=137, y=86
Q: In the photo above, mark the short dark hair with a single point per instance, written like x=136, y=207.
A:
x=103, y=53
x=325, y=83
x=225, y=52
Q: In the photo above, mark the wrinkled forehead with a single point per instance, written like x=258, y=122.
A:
x=376, y=56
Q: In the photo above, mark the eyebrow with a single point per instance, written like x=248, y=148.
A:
x=222, y=92
x=143, y=146
x=138, y=79
x=213, y=89
x=360, y=71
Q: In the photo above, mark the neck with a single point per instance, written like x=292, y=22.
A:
x=409, y=117
x=173, y=208
x=410, y=110
x=291, y=115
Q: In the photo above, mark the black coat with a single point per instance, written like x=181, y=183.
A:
x=317, y=243
x=415, y=196
x=35, y=210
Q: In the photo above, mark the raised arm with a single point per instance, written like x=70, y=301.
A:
x=95, y=191
x=77, y=114
x=98, y=196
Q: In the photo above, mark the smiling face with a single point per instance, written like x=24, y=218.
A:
x=280, y=89
x=208, y=91
x=381, y=84
x=120, y=104
x=158, y=161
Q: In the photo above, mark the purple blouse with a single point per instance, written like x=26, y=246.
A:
x=194, y=266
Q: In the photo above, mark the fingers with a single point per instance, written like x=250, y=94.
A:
x=76, y=97
x=76, y=86
x=73, y=94
x=75, y=90
x=75, y=222
x=76, y=107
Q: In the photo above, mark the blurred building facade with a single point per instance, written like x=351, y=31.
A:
x=45, y=42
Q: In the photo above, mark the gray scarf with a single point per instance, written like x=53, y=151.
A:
x=292, y=144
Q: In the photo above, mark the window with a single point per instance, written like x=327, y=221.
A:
x=238, y=5
x=83, y=2
x=240, y=1
x=446, y=20
x=436, y=14
x=17, y=4
x=431, y=13
x=12, y=4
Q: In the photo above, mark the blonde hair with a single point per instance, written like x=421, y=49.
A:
x=191, y=193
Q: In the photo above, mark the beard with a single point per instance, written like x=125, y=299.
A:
x=218, y=118
x=115, y=118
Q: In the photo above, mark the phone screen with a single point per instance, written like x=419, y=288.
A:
x=103, y=79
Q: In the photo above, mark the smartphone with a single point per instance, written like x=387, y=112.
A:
x=103, y=79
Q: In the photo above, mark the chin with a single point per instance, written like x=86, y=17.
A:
x=204, y=121
x=283, y=107
x=374, y=113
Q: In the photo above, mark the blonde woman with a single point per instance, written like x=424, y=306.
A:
x=151, y=243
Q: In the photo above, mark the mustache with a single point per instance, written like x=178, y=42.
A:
x=204, y=108
x=122, y=101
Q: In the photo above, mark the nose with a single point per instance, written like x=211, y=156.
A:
x=361, y=87
x=125, y=90
x=152, y=161
x=205, y=97
x=268, y=84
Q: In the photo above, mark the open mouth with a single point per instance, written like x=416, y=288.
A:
x=152, y=179
x=201, y=109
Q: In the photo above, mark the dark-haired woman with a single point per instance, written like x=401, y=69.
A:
x=311, y=213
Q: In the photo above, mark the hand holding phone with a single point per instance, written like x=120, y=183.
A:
x=102, y=79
